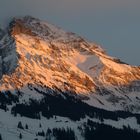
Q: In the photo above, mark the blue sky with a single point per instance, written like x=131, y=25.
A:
x=114, y=24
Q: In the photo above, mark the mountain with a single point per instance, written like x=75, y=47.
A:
x=48, y=73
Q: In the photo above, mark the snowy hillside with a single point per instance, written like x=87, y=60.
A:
x=47, y=72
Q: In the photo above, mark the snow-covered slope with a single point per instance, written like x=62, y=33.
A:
x=39, y=54
x=10, y=130
x=59, y=79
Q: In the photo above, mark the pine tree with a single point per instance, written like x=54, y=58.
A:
x=20, y=125
x=40, y=125
x=26, y=126
x=20, y=136
x=0, y=137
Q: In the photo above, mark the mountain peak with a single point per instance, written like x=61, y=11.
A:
x=44, y=30
x=39, y=54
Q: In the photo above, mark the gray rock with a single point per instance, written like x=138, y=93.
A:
x=8, y=56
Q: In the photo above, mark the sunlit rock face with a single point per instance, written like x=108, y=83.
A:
x=39, y=54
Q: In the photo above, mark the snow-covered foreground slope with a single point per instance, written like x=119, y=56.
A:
x=44, y=69
x=10, y=131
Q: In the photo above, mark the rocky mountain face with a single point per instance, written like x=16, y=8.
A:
x=8, y=55
x=45, y=71
x=39, y=53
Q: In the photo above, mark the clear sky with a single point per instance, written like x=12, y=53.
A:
x=113, y=24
